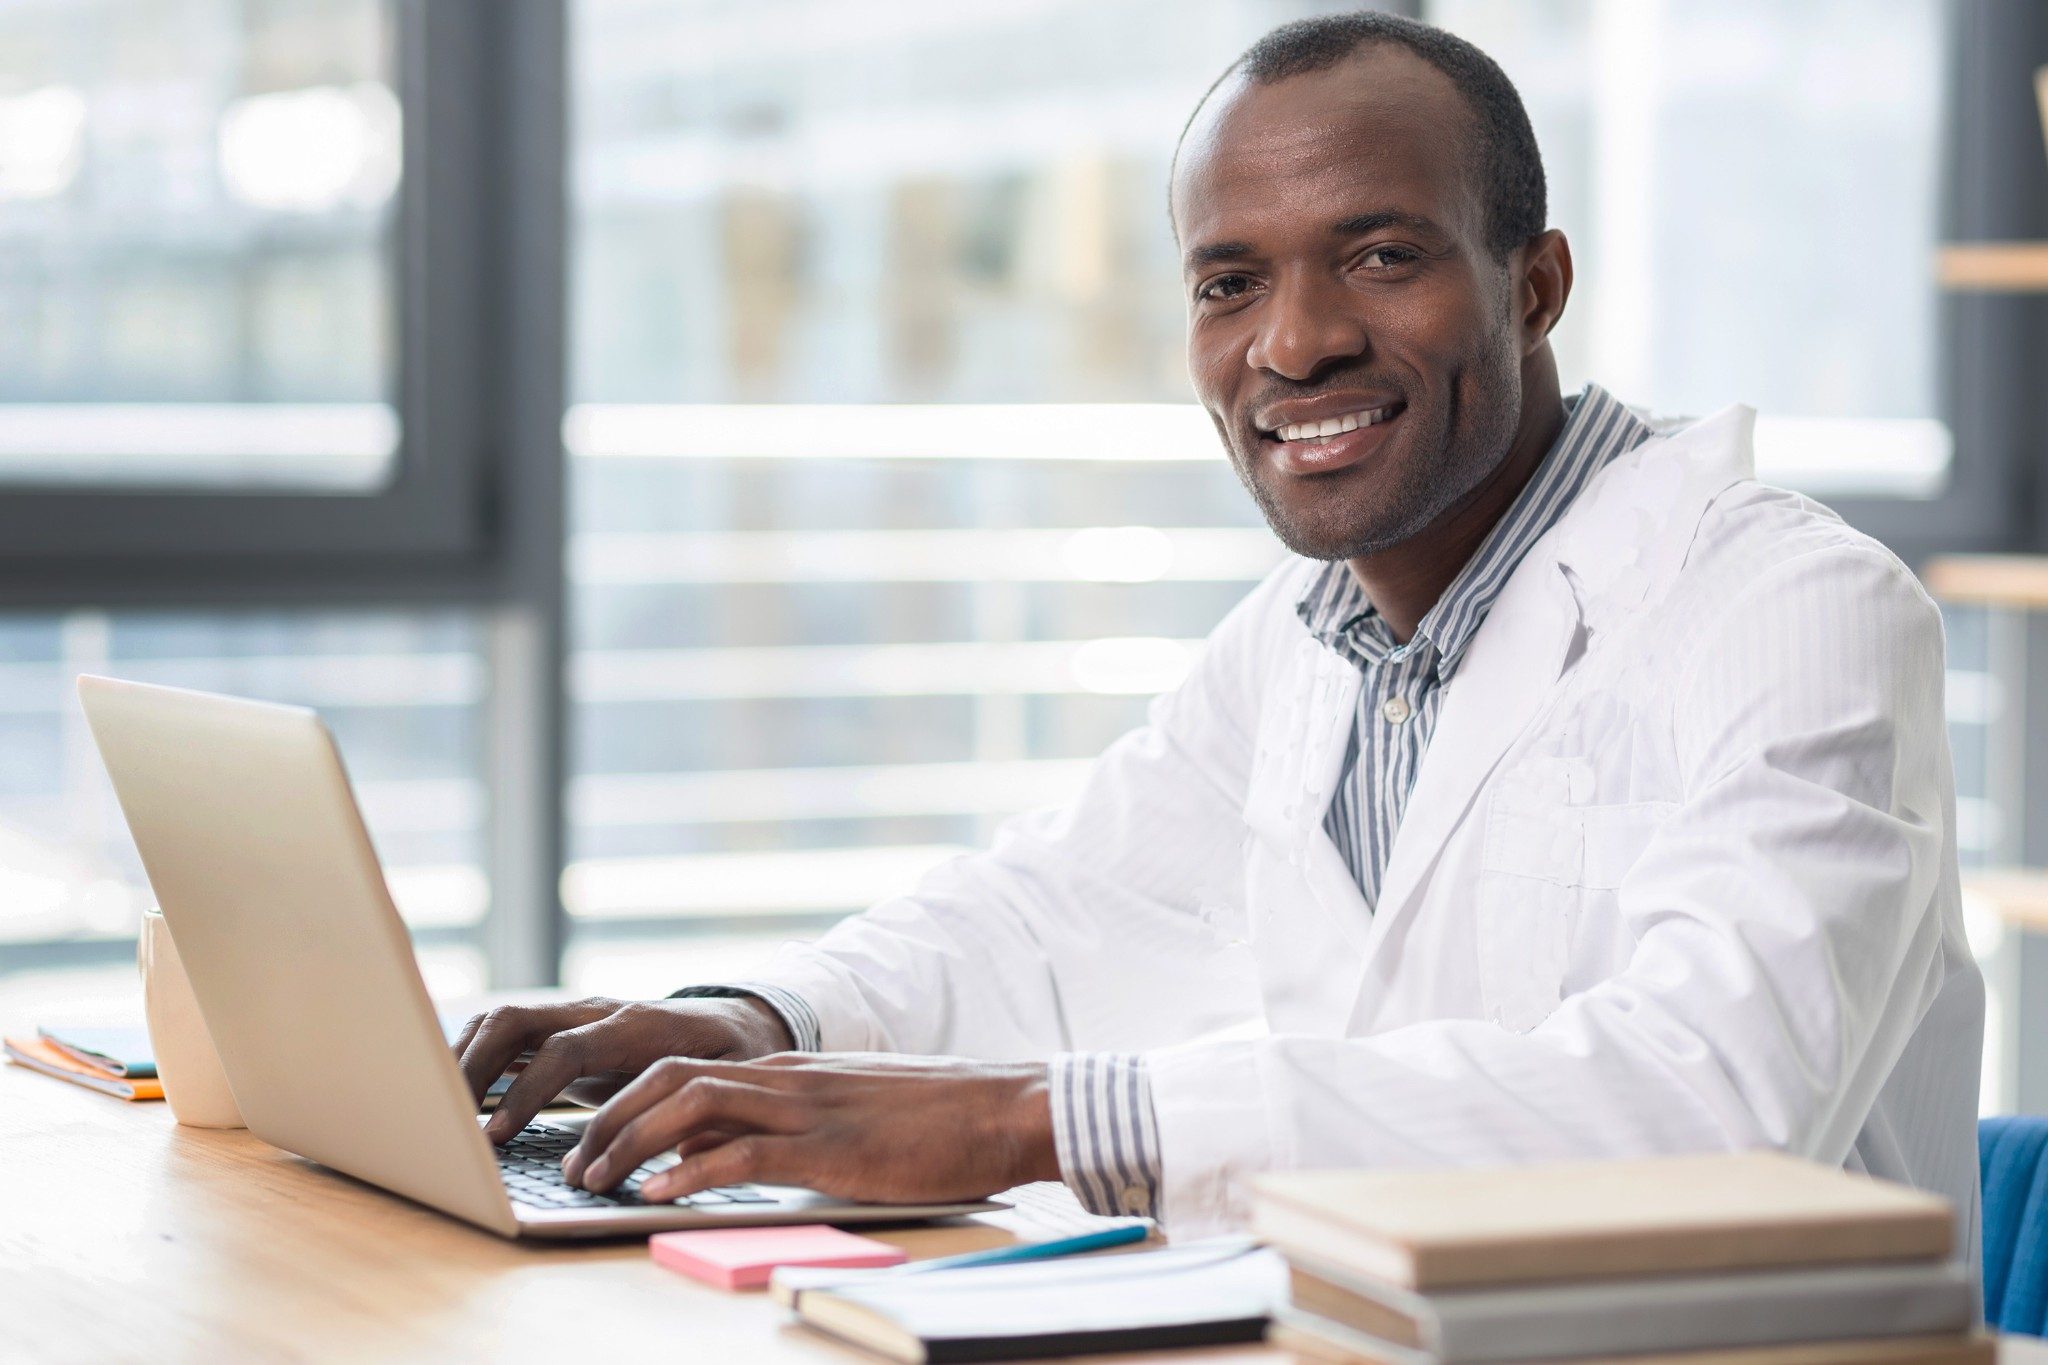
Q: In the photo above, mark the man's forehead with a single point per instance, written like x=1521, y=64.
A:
x=1381, y=121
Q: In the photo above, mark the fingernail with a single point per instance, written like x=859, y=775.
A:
x=572, y=1165
x=495, y=1129
x=657, y=1189
x=595, y=1175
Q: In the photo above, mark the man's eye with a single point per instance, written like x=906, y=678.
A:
x=1225, y=287
x=1388, y=257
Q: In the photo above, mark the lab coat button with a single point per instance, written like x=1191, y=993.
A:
x=1395, y=709
x=1134, y=1199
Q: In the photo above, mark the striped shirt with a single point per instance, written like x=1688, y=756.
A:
x=1103, y=1122
x=1403, y=683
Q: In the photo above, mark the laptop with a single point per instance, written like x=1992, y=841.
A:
x=257, y=852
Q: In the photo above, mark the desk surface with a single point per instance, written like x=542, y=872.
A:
x=126, y=1237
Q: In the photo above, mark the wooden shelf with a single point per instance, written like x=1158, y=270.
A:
x=2018, y=895
x=1989, y=580
x=2009, y=267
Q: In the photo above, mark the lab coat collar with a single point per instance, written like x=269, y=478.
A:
x=1622, y=542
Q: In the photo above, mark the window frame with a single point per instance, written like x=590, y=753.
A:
x=56, y=542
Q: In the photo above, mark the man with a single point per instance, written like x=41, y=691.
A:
x=1570, y=794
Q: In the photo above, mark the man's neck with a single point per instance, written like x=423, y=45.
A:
x=1405, y=581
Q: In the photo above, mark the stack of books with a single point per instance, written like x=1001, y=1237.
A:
x=1743, y=1259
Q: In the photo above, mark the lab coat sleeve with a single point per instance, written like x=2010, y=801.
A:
x=1786, y=943
x=1086, y=927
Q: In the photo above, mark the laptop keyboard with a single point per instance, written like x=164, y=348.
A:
x=531, y=1166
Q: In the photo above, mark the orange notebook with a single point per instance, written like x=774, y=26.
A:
x=37, y=1055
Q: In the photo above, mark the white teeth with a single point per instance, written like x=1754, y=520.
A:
x=1334, y=426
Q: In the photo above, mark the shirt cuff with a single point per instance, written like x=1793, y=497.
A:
x=797, y=1016
x=1105, y=1133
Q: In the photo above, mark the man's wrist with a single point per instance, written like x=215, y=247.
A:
x=762, y=1028
x=1029, y=1127
x=798, y=1024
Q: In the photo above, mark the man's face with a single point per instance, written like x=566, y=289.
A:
x=1334, y=245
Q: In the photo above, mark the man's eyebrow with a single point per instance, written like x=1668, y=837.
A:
x=1358, y=225
x=1217, y=252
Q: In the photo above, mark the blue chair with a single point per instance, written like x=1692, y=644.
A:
x=2013, y=1156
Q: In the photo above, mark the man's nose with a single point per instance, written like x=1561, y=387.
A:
x=1304, y=326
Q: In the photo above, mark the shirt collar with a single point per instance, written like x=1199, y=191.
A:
x=1335, y=609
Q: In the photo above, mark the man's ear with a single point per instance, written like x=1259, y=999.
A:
x=1543, y=283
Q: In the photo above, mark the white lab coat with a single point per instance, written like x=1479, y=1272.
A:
x=1678, y=873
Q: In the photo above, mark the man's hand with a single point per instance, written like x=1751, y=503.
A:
x=862, y=1126
x=591, y=1048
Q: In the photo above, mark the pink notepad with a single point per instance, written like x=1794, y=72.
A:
x=741, y=1258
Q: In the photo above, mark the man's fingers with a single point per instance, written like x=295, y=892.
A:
x=566, y=1057
x=503, y=1033
x=755, y=1157
x=500, y=1038
x=704, y=1142
x=651, y=1087
x=592, y=1091
x=697, y=1106
x=468, y=1032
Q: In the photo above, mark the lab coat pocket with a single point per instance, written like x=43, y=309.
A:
x=1548, y=885
x=1612, y=838
x=1528, y=888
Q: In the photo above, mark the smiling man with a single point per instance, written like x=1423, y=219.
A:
x=1567, y=794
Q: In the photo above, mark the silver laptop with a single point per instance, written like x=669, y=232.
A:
x=257, y=854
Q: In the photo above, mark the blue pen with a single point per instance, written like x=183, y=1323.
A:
x=1032, y=1251
x=791, y=1282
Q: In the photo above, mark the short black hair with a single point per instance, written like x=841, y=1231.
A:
x=1509, y=164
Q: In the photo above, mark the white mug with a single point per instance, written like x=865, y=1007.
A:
x=186, y=1062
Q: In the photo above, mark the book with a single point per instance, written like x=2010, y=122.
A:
x=1312, y=1339
x=1203, y=1293
x=743, y=1258
x=1438, y=1229
x=38, y=1054
x=1662, y=1313
x=114, y=1051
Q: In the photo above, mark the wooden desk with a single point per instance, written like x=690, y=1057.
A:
x=124, y=1237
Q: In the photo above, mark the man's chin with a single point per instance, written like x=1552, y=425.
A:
x=1310, y=540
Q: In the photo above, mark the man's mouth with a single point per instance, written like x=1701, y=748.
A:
x=1331, y=443
x=1335, y=426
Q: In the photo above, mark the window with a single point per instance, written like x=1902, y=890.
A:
x=821, y=645
x=402, y=693
x=888, y=505
x=1752, y=192
x=236, y=271
x=196, y=206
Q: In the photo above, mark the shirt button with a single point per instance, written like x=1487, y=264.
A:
x=1134, y=1199
x=1395, y=709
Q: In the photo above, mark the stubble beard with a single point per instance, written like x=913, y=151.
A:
x=1429, y=485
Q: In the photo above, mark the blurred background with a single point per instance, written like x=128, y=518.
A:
x=709, y=462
